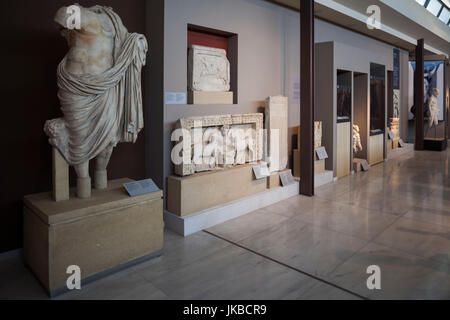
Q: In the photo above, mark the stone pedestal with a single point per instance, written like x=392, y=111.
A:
x=319, y=165
x=102, y=234
x=60, y=176
x=376, y=152
x=394, y=126
x=276, y=123
x=273, y=181
x=358, y=164
x=210, y=97
x=205, y=190
x=343, y=149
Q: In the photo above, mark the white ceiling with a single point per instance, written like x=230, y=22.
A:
x=403, y=22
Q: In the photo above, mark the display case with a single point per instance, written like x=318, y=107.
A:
x=344, y=120
x=377, y=113
x=361, y=114
x=435, y=109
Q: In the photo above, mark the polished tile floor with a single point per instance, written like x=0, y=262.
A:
x=396, y=216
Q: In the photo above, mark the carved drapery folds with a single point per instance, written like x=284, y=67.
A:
x=217, y=142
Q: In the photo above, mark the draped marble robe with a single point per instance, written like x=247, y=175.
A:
x=104, y=109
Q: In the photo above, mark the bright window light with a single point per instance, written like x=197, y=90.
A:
x=445, y=15
x=434, y=7
x=421, y=2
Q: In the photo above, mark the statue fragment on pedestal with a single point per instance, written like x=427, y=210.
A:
x=99, y=88
x=433, y=108
x=357, y=146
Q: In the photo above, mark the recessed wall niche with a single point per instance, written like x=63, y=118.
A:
x=377, y=113
x=377, y=98
x=214, y=38
x=344, y=117
x=344, y=95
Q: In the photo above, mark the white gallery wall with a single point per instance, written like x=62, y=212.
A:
x=260, y=28
x=268, y=54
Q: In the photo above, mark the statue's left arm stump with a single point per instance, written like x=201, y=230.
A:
x=102, y=234
x=60, y=175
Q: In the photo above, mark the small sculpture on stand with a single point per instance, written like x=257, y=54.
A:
x=396, y=104
x=99, y=88
x=433, y=108
x=356, y=139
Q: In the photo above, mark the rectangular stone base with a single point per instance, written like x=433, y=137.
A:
x=186, y=195
x=197, y=221
x=395, y=143
x=319, y=165
x=194, y=222
x=273, y=181
x=376, y=149
x=323, y=178
x=407, y=148
x=210, y=97
x=357, y=164
x=105, y=232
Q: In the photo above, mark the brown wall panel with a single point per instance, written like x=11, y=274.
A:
x=28, y=86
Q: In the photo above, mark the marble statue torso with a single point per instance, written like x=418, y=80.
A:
x=433, y=108
x=90, y=48
x=99, y=89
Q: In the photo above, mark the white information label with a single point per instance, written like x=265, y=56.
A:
x=261, y=171
x=175, y=98
x=322, y=153
x=286, y=178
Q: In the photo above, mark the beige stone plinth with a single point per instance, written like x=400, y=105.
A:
x=276, y=123
x=319, y=165
x=389, y=145
x=357, y=164
x=395, y=143
x=60, y=175
x=376, y=146
x=99, y=234
x=205, y=190
x=273, y=181
x=343, y=149
x=210, y=97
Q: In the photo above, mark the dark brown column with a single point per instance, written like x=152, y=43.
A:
x=418, y=94
x=307, y=97
x=446, y=96
x=154, y=88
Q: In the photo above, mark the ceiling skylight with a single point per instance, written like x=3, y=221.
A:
x=439, y=8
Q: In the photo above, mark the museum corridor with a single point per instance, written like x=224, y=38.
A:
x=395, y=216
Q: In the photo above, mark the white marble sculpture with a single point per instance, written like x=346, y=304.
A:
x=99, y=88
x=394, y=127
x=396, y=104
x=433, y=108
x=208, y=69
x=217, y=142
x=357, y=146
x=276, y=124
x=317, y=134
